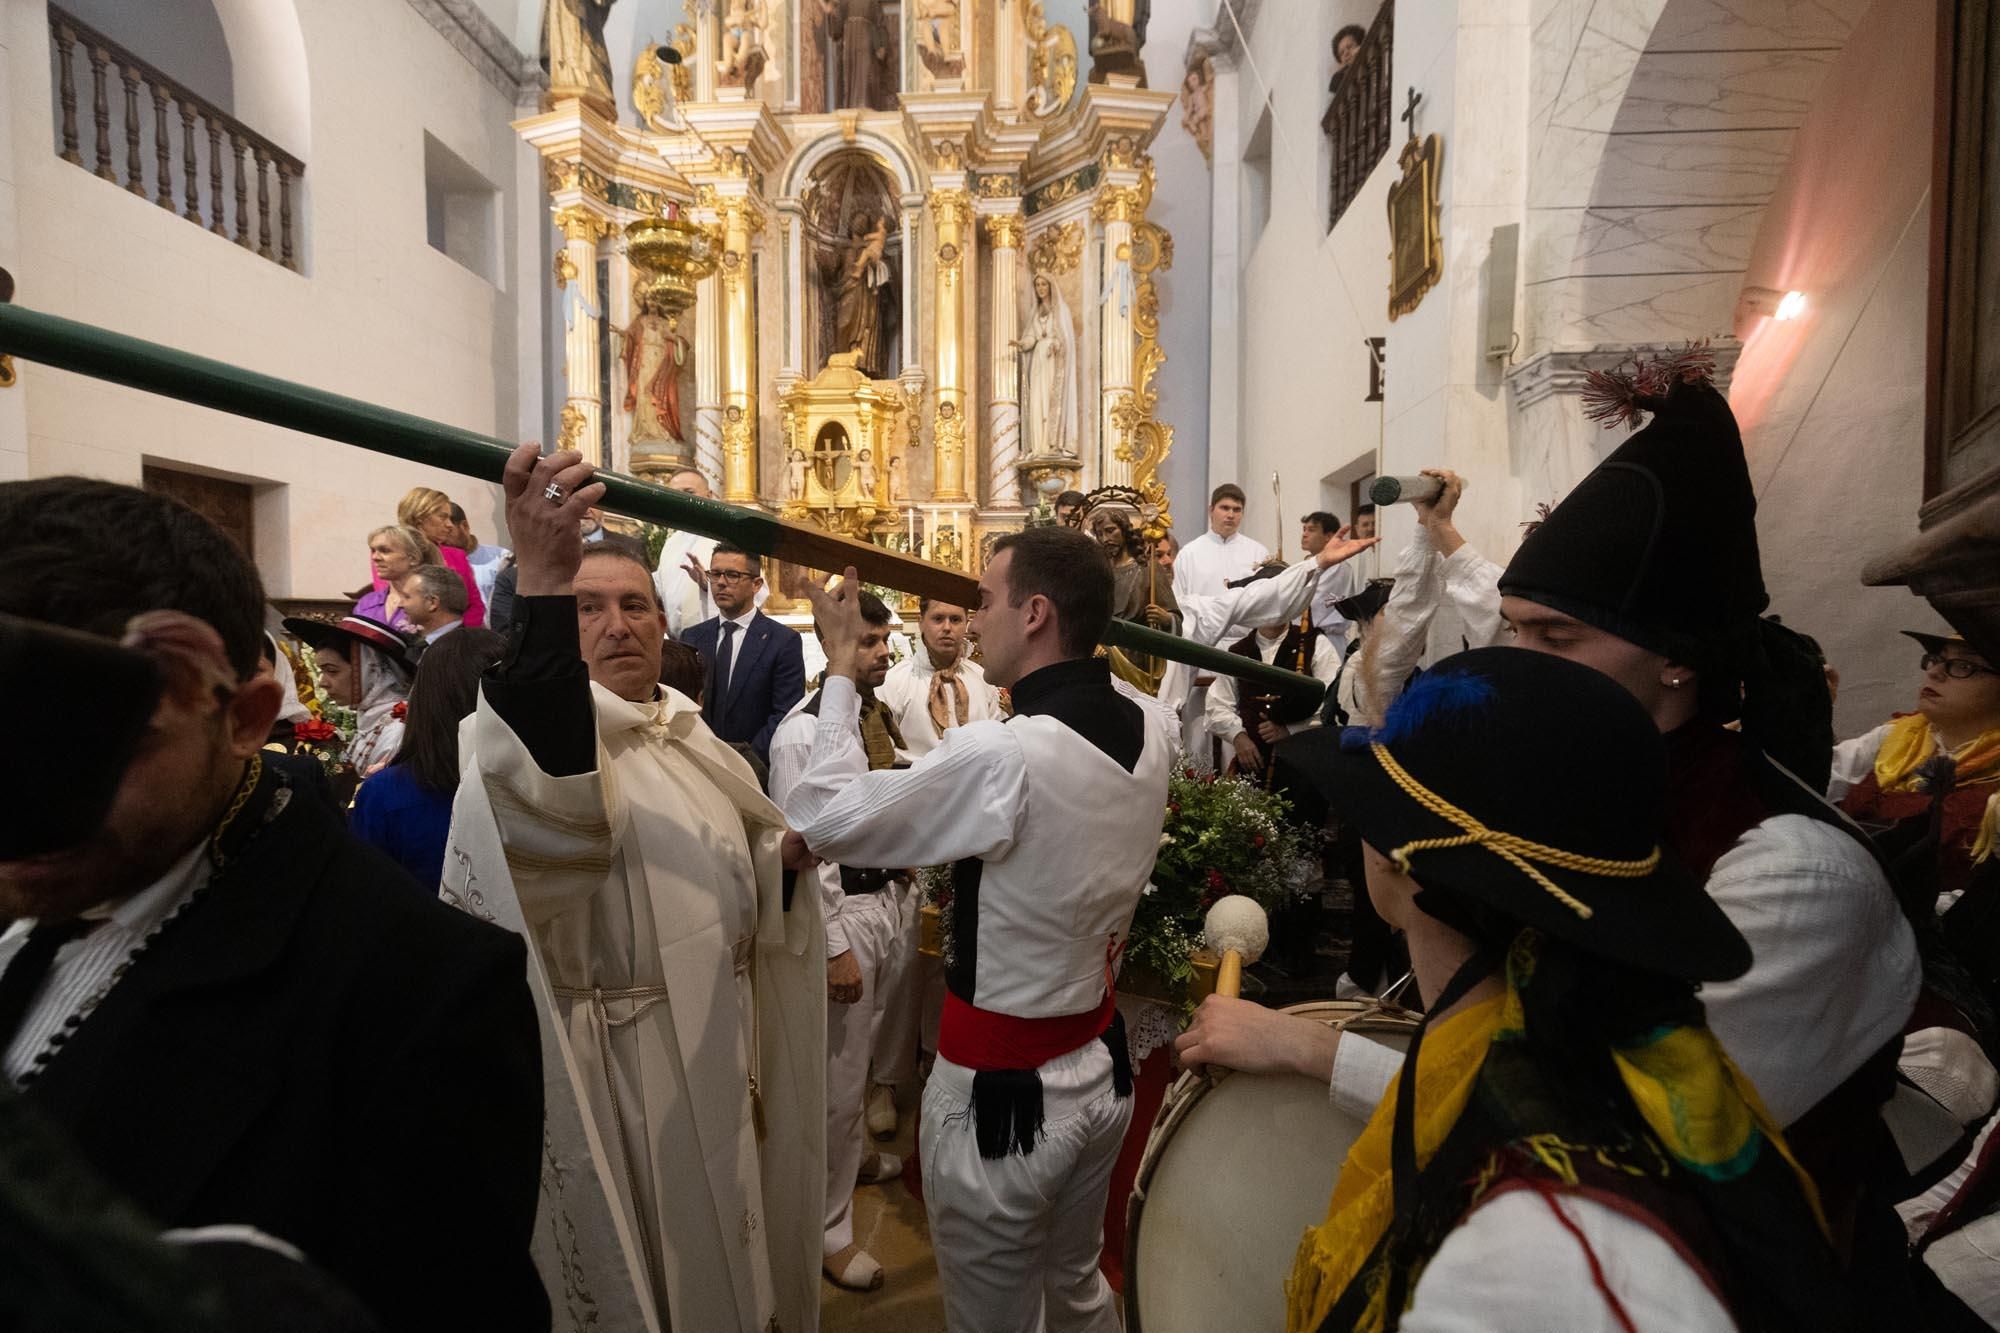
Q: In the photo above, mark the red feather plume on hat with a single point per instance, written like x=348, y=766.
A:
x=1632, y=388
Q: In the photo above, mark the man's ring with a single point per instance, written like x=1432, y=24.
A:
x=553, y=494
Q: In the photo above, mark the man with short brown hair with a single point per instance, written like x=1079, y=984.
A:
x=1052, y=820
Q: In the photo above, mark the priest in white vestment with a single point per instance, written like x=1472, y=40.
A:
x=683, y=984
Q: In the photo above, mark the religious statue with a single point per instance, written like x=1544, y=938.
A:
x=863, y=293
x=864, y=464
x=574, y=54
x=1048, y=398
x=744, y=52
x=940, y=40
x=795, y=475
x=832, y=464
x=899, y=491
x=1139, y=593
x=1198, y=105
x=654, y=355
x=1117, y=35
x=856, y=27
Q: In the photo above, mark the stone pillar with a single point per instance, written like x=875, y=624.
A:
x=741, y=221
x=1003, y=414
x=951, y=214
x=1118, y=208
x=618, y=309
x=707, y=50
x=582, y=309
x=791, y=231
x=708, y=379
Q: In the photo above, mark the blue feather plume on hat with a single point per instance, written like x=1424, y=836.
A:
x=1436, y=698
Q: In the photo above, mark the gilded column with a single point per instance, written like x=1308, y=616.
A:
x=1003, y=414
x=741, y=221
x=618, y=309
x=708, y=379
x=583, y=315
x=1118, y=208
x=951, y=216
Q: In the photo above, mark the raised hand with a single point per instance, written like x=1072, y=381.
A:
x=837, y=616
x=546, y=501
x=1343, y=545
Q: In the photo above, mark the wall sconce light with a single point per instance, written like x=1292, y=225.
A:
x=1771, y=302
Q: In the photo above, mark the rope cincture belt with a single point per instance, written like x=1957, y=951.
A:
x=1516, y=851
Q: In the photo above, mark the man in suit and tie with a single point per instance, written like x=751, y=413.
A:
x=756, y=667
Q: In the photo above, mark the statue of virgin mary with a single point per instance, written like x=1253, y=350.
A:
x=1048, y=398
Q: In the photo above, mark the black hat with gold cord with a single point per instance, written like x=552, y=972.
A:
x=1525, y=795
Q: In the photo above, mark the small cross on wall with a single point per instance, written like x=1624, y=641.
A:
x=1410, y=112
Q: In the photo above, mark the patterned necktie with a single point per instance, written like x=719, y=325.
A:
x=25, y=975
x=950, y=702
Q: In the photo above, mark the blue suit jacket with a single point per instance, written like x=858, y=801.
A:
x=769, y=678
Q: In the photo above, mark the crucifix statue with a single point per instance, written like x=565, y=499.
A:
x=1410, y=112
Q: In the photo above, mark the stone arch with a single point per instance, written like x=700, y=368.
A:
x=892, y=155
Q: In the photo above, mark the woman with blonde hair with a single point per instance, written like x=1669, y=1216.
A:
x=426, y=512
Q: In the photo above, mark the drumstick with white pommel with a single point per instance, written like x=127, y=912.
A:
x=1237, y=931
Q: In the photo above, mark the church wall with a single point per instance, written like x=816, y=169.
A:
x=379, y=315
x=14, y=401
x=1181, y=205
x=1832, y=403
x=1446, y=400
x=1307, y=298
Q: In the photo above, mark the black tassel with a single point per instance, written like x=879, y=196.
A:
x=1007, y=1111
x=1113, y=1038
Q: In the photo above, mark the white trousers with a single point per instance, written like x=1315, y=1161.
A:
x=900, y=992
x=1017, y=1237
x=870, y=922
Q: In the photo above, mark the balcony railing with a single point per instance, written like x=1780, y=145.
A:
x=1357, y=121
x=200, y=162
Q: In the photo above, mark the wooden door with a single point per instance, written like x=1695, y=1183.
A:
x=230, y=505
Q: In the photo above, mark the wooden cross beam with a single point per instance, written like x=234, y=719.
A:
x=102, y=354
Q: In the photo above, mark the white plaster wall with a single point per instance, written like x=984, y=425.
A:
x=1181, y=205
x=1308, y=298
x=1446, y=399
x=1832, y=404
x=382, y=317
x=14, y=401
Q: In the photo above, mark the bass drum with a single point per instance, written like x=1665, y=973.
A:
x=1236, y=1168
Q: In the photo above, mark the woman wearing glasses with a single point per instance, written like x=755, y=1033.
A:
x=1933, y=776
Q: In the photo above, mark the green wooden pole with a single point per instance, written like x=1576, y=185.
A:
x=102, y=354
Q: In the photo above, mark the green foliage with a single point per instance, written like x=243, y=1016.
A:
x=1222, y=836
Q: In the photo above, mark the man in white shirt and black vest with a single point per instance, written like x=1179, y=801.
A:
x=1051, y=820
x=865, y=957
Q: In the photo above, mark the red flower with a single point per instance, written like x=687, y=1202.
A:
x=401, y=710
x=1258, y=841
x=1215, y=880
x=1173, y=807
x=315, y=730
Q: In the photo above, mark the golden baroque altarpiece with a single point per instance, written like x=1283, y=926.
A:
x=885, y=269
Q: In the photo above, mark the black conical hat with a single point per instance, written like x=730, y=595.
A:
x=1658, y=545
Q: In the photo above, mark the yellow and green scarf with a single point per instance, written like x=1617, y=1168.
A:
x=1902, y=764
x=1490, y=1101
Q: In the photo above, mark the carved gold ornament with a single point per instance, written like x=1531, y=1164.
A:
x=1003, y=231
x=1057, y=250
x=1051, y=64
x=1416, y=240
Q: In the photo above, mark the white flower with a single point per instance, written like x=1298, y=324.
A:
x=1166, y=840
